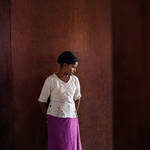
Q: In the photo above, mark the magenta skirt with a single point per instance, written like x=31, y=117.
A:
x=63, y=133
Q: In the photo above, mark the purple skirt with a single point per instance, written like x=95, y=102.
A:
x=63, y=133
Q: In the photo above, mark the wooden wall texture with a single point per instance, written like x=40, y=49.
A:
x=131, y=35
x=38, y=31
x=111, y=39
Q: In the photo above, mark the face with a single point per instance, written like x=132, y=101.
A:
x=71, y=68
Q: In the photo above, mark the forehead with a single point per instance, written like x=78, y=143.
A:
x=75, y=64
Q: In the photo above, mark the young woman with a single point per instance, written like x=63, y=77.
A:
x=63, y=88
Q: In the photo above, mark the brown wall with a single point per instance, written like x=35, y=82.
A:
x=33, y=33
x=6, y=98
x=40, y=31
x=131, y=36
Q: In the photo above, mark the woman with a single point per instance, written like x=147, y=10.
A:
x=63, y=88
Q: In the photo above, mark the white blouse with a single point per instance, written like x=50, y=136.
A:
x=62, y=96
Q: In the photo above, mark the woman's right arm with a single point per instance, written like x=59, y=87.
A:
x=45, y=93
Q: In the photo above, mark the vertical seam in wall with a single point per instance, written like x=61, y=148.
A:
x=11, y=71
x=143, y=18
x=112, y=68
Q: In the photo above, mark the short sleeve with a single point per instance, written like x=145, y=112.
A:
x=77, y=94
x=45, y=92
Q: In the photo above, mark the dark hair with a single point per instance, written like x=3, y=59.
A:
x=67, y=57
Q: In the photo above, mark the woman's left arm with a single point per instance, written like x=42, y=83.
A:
x=77, y=103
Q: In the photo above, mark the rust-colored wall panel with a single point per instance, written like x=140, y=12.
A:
x=6, y=116
x=145, y=119
x=131, y=77
x=41, y=30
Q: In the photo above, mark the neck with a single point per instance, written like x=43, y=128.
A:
x=62, y=73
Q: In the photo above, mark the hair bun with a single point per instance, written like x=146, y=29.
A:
x=67, y=57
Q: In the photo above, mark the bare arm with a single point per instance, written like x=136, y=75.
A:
x=77, y=103
x=43, y=107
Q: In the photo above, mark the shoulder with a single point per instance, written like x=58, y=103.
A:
x=75, y=78
x=50, y=78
